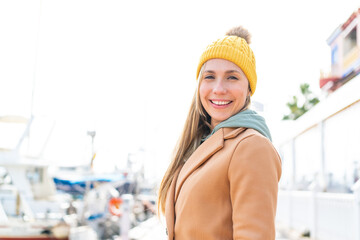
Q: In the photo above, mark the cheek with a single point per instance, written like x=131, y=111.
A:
x=242, y=90
x=241, y=95
x=202, y=92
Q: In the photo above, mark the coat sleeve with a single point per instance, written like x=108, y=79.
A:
x=254, y=173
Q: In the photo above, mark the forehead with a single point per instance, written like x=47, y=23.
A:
x=218, y=64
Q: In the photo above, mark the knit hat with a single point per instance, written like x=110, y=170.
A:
x=233, y=47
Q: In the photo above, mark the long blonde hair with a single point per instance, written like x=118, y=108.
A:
x=196, y=127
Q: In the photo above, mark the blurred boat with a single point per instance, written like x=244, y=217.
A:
x=30, y=206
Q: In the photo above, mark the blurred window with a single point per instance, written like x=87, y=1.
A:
x=350, y=41
x=35, y=175
x=335, y=55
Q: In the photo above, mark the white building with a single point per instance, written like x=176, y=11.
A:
x=319, y=189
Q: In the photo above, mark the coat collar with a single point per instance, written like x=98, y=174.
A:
x=200, y=156
x=232, y=132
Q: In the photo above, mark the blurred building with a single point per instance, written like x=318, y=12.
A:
x=345, y=54
x=320, y=188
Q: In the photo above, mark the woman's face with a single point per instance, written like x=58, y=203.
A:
x=223, y=89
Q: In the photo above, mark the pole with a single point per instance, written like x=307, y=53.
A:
x=125, y=222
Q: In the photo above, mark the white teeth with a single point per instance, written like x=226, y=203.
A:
x=221, y=102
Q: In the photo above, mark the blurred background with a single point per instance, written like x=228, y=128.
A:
x=127, y=69
x=105, y=86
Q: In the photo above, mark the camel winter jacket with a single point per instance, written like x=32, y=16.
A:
x=226, y=190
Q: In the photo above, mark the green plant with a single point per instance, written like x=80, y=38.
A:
x=297, y=110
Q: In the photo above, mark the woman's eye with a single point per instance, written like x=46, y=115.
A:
x=233, y=78
x=209, y=77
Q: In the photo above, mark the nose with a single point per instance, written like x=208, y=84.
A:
x=219, y=87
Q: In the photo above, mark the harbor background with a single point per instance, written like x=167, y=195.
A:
x=127, y=70
x=107, y=84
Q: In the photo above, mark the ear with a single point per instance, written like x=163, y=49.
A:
x=249, y=91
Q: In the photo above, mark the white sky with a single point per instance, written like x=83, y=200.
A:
x=127, y=68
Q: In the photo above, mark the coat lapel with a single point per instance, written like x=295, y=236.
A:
x=202, y=154
x=232, y=132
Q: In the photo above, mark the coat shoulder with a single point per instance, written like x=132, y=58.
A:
x=254, y=141
x=252, y=148
x=254, y=172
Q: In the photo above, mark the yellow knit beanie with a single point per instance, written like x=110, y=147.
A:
x=233, y=47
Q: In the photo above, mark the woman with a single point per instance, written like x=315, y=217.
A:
x=223, y=178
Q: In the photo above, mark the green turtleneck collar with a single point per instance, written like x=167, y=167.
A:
x=248, y=119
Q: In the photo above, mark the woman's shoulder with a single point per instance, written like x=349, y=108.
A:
x=254, y=149
x=248, y=140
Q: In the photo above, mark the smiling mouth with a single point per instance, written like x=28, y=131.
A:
x=220, y=103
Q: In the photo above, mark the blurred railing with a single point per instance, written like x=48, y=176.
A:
x=326, y=216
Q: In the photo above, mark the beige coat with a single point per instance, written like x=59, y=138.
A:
x=226, y=190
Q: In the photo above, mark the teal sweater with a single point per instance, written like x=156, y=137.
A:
x=247, y=119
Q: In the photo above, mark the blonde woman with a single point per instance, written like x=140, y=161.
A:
x=222, y=182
